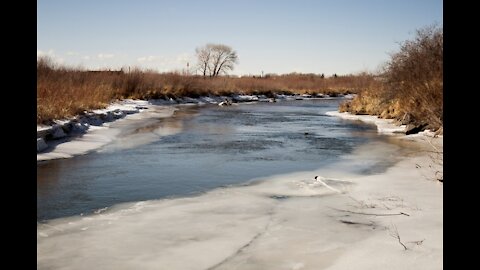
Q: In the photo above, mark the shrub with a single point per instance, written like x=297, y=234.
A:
x=412, y=83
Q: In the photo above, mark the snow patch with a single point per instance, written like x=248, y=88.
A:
x=64, y=134
x=385, y=126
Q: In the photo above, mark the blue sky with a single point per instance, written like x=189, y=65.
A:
x=278, y=36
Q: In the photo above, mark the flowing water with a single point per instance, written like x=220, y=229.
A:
x=198, y=149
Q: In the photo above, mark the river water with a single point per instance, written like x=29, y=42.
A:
x=201, y=148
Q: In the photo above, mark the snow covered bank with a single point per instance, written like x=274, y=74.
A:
x=82, y=123
x=386, y=126
x=93, y=130
x=338, y=221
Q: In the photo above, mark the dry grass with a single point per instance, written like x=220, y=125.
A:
x=413, y=84
x=63, y=92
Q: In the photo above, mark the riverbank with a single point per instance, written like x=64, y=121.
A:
x=412, y=90
x=90, y=131
x=64, y=92
x=391, y=219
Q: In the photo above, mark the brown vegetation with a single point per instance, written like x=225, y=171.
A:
x=65, y=92
x=413, y=84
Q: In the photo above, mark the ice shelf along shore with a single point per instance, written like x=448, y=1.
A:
x=385, y=126
x=92, y=130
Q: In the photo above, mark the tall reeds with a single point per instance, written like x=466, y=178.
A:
x=64, y=92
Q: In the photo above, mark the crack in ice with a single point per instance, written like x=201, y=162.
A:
x=248, y=244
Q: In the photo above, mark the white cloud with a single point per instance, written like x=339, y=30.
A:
x=50, y=53
x=150, y=58
x=86, y=57
x=105, y=55
x=72, y=53
x=168, y=62
x=184, y=57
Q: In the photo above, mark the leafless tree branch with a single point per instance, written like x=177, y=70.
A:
x=215, y=59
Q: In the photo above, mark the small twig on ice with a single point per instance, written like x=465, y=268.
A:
x=394, y=233
x=386, y=207
x=418, y=243
x=371, y=214
x=362, y=203
x=434, y=147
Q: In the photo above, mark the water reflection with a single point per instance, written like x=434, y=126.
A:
x=148, y=130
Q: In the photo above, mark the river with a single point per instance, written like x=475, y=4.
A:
x=206, y=147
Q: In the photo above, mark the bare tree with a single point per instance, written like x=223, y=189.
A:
x=203, y=56
x=214, y=59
